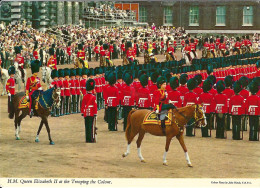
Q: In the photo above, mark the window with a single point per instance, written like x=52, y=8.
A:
x=248, y=16
x=194, y=16
x=221, y=16
x=168, y=15
x=142, y=14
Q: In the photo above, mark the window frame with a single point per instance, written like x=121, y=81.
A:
x=217, y=14
x=142, y=16
x=167, y=9
x=198, y=14
x=252, y=15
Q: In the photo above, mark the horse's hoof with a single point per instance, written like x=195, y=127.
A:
x=165, y=164
x=37, y=140
x=190, y=165
x=124, y=155
x=143, y=161
x=52, y=143
x=17, y=138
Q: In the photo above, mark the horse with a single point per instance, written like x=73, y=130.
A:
x=18, y=76
x=78, y=64
x=180, y=117
x=169, y=57
x=46, y=75
x=3, y=78
x=46, y=100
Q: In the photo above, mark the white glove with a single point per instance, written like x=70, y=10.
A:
x=40, y=88
x=27, y=98
x=9, y=94
x=157, y=111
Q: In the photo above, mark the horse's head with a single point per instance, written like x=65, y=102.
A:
x=56, y=96
x=200, y=116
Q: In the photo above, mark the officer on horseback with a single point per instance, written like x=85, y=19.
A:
x=33, y=86
x=20, y=60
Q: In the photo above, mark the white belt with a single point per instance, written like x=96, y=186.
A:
x=111, y=97
x=252, y=106
x=190, y=103
x=62, y=88
x=143, y=99
x=127, y=97
x=90, y=106
x=67, y=88
x=206, y=104
x=220, y=105
x=173, y=101
x=235, y=106
x=78, y=87
x=72, y=87
x=11, y=86
x=98, y=85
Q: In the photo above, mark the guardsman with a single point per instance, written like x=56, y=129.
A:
x=54, y=83
x=98, y=86
x=222, y=47
x=193, y=47
x=66, y=91
x=187, y=49
x=220, y=110
x=122, y=47
x=190, y=98
x=252, y=107
x=245, y=94
x=162, y=45
x=78, y=89
x=81, y=53
x=111, y=48
x=154, y=51
x=105, y=53
x=83, y=81
x=174, y=96
x=142, y=97
x=72, y=86
x=33, y=84
x=198, y=90
x=127, y=96
x=237, y=46
x=207, y=101
x=35, y=51
x=136, y=83
x=153, y=87
x=213, y=79
x=89, y=111
x=20, y=60
x=119, y=84
x=52, y=63
x=130, y=54
x=111, y=97
x=237, y=110
x=229, y=93
x=69, y=51
x=10, y=87
x=217, y=41
x=61, y=86
x=212, y=47
x=170, y=50
x=183, y=88
x=206, y=44
x=97, y=50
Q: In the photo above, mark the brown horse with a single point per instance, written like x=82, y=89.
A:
x=180, y=118
x=49, y=98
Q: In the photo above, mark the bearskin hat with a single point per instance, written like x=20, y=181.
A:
x=90, y=84
x=119, y=75
x=207, y=85
x=191, y=84
x=154, y=77
x=129, y=44
x=78, y=71
x=112, y=78
x=84, y=71
x=198, y=78
x=174, y=82
x=228, y=80
x=184, y=79
x=35, y=66
x=11, y=70
x=105, y=46
x=160, y=81
x=192, y=40
x=220, y=86
x=253, y=87
x=54, y=73
x=51, y=51
x=237, y=87
x=244, y=81
x=80, y=46
x=212, y=78
x=144, y=80
x=128, y=78
x=91, y=72
x=61, y=72
x=72, y=72
x=66, y=72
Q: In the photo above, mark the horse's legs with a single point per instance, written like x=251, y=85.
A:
x=181, y=140
x=168, y=142
x=23, y=115
x=45, y=121
x=38, y=132
x=138, y=142
x=16, y=116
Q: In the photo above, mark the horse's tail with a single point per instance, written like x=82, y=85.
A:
x=128, y=128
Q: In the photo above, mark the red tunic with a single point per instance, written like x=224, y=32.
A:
x=98, y=85
x=143, y=98
x=237, y=105
x=213, y=92
x=244, y=93
x=174, y=97
x=130, y=54
x=222, y=46
x=190, y=98
x=123, y=47
x=69, y=51
x=160, y=97
x=60, y=83
x=170, y=49
x=238, y=45
x=212, y=46
x=111, y=96
x=252, y=105
x=221, y=103
x=35, y=55
x=77, y=85
x=83, y=86
x=20, y=60
x=96, y=49
x=10, y=86
x=89, y=105
x=52, y=63
x=32, y=84
x=54, y=83
x=192, y=47
x=207, y=100
x=206, y=45
x=128, y=96
x=198, y=91
x=72, y=86
x=81, y=54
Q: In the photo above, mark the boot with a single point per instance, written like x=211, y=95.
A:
x=163, y=126
x=31, y=113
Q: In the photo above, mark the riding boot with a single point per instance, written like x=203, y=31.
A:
x=163, y=126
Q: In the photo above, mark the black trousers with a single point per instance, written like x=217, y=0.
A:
x=190, y=131
x=220, y=125
x=254, y=128
x=77, y=104
x=244, y=123
x=126, y=110
x=236, y=127
x=205, y=130
x=62, y=105
x=99, y=100
x=66, y=105
x=112, y=118
x=73, y=104
x=228, y=122
x=10, y=103
x=89, y=129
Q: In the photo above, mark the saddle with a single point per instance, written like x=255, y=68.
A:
x=23, y=103
x=152, y=119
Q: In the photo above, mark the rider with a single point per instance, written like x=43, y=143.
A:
x=212, y=47
x=20, y=60
x=33, y=84
x=237, y=46
x=193, y=47
x=69, y=51
x=52, y=63
x=222, y=47
x=81, y=53
x=130, y=52
x=106, y=54
x=161, y=101
x=170, y=50
x=187, y=49
x=10, y=87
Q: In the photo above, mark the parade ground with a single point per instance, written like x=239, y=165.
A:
x=72, y=157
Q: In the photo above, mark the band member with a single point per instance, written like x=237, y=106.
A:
x=89, y=111
x=20, y=60
x=61, y=86
x=66, y=91
x=10, y=87
x=52, y=63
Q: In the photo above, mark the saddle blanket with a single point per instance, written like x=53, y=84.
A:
x=152, y=118
x=23, y=103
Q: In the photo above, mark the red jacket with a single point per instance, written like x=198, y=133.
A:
x=128, y=96
x=35, y=55
x=77, y=86
x=193, y=47
x=69, y=51
x=89, y=105
x=72, y=86
x=52, y=63
x=123, y=47
x=190, y=98
x=160, y=97
x=136, y=85
x=60, y=83
x=207, y=100
x=221, y=103
x=96, y=49
x=32, y=84
x=222, y=46
x=206, y=45
x=198, y=91
x=20, y=60
x=83, y=86
x=238, y=45
x=10, y=86
x=66, y=87
x=237, y=105
x=98, y=85
x=54, y=83
x=170, y=50
x=174, y=97
x=120, y=88
x=244, y=93
x=81, y=54
x=252, y=105
x=111, y=96
x=213, y=92
x=212, y=46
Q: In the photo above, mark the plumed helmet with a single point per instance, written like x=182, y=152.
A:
x=72, y=72
x=237, y=87
x=35, y=66
x=253, y=87
x=51, y=51
x=112, y=78
x=17, y=49
x=61, y=72
x=128, y=78
x=191, y=84
x=11, y=70
x=160, y=81
x=220, y=86
x=54, y=73
x=228, y=80
x=66, y=72
x=183, y=79
x=174, y=82
x=154, y=77
x=144, y=80
x=244, y=81
x=78, y=71
x=207, y=85
x=90, y=84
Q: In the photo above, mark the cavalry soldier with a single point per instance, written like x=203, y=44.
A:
x=220, y=110
x=69, y=51
x=61, y=86
x=10, y=87
x=66, y=90
x=222, y=47
x=35, y=51
x=237, y=46
x=105, y=53
x=81, y=53
x=237, y=110
x=130, y=54
x=72, y=86
x=20, y=60
x=52, y=63
x=252, y=107
x=190, y=98
x=33, y=84
x=54, y=83
x=170, y=50
x=96, y=50
x=183, y=88
x=89, y=111
x=78, y=89
x=187, y=49
x=174, y=95
x=193, y=47
x=122, y=47
x=111, y=97
x=127, y=96
x=83, y=81
x=207, y=101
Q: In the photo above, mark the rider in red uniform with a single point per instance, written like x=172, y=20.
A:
x=20, y=60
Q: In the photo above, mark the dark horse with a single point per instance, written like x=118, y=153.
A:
x=46, y=100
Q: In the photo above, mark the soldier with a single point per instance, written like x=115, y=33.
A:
x=111, y=97
x=105, y=53
x=119, y=84
x=72, y=86
x=252, y=107
x=130, y=54
x=187, y=49
x=127, y=96
x=54, y=83
x=193, y=47
x=170, y=50
x=222, y=47
x=207, y=100
x=153, y=87
x=52, y=63
x=245, y=94
x=190, y=98
x=136, y=83
x=96, y=50
x=111, y=49
x=33, y=84
x=89, y=111
x=81, y=53
x=69, y=51
x=162, y=45
x=66, y=90
x=61, y=86
x=122, y=47
x=237, y=46
x=98, y=87
x=78, y=89
x=145, y=46
x=10, y=87
x=20, y=60
x=136, y=48
x=174, y=95
x=212, y=47
x=237, y=110
x=183, y=88
x=142, y=97
x=198, y=90
x=35, y=51
x=83, y=81
x=213, y=79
